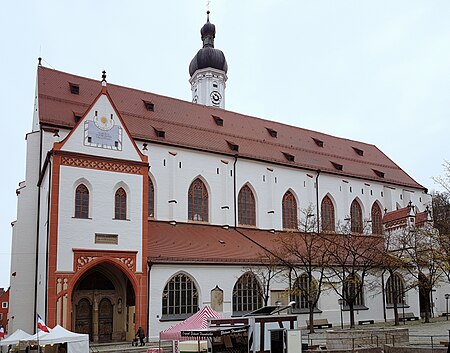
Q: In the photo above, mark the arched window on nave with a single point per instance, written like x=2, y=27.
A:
x=246, y=207
x=198, y=201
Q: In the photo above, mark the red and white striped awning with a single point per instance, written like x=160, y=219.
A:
x=197, y=321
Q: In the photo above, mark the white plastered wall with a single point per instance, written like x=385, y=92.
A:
x=207, y=277
x=80, y=233
x=173, y=169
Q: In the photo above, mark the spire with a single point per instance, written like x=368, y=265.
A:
x=208, y=32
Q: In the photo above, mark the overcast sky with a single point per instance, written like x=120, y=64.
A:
x=374, y=71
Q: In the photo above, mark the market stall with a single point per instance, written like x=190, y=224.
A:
x=197, y=321
x=59, y=340
x=13, y=339
x=223, y=339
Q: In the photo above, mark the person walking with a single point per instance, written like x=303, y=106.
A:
x=141, y=335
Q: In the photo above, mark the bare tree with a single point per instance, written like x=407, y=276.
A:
x=306, y=255
x=444, y=180
x=421, y=249
x=441, y=222
x=352, y=257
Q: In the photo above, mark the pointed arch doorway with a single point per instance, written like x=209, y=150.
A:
x=103, y=304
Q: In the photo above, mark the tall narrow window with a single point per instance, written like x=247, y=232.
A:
x=180, y=297
x=198, y=201
x=356, y=217
x=289, y=211
x=353, y=291
x=327, y=211
x=151, y=198
x=377, y=225
x=395, y=290
x=246, y=207
x=120, y=204
x=305, y=291
x=247, y=294
x=81, y=201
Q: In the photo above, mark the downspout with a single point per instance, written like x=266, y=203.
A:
x=48, y=231
x=234, y=189
x=36, y=262
x=383, y=296
x=149, y=267
x=317, y=201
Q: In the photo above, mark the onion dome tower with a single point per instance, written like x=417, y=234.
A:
x=208, y=70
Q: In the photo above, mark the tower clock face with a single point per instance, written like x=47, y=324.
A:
x=215, y=97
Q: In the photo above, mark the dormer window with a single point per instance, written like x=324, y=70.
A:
x=358, y=151
x=149, y=106
x=337, y=166
x=218, y=120
x=318, y=142
x=289, y=157
x=272, y=132
x=160, y=133
x=77, y=116
x=378, y=173
x=74, y=88
x=233, y=146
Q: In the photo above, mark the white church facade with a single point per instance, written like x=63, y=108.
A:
x=140, y=208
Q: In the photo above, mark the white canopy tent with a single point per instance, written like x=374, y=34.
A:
x=76, y=342
x=14, y=338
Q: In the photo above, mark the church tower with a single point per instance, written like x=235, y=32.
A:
x=208, y=70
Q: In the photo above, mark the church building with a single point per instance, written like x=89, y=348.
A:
x=139, y=209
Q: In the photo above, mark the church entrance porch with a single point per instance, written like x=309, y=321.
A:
x=102, y=301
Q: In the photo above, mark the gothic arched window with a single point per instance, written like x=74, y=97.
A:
x=81, y=201
x=246, y=207
x=327, y=211
x=151, y=198
x=180, y=297
x=356, y=217
x=289, y=205
x=395, y=290
x=120, y=206
x=247, y=294
x=377, y=225
x=353, y=291
x=305, y=292
x=198, y=201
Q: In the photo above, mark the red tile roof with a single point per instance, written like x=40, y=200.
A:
x=421, y=218
x=198, y=243
x=193, y=126
x=191, y=243
x=396, y=215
